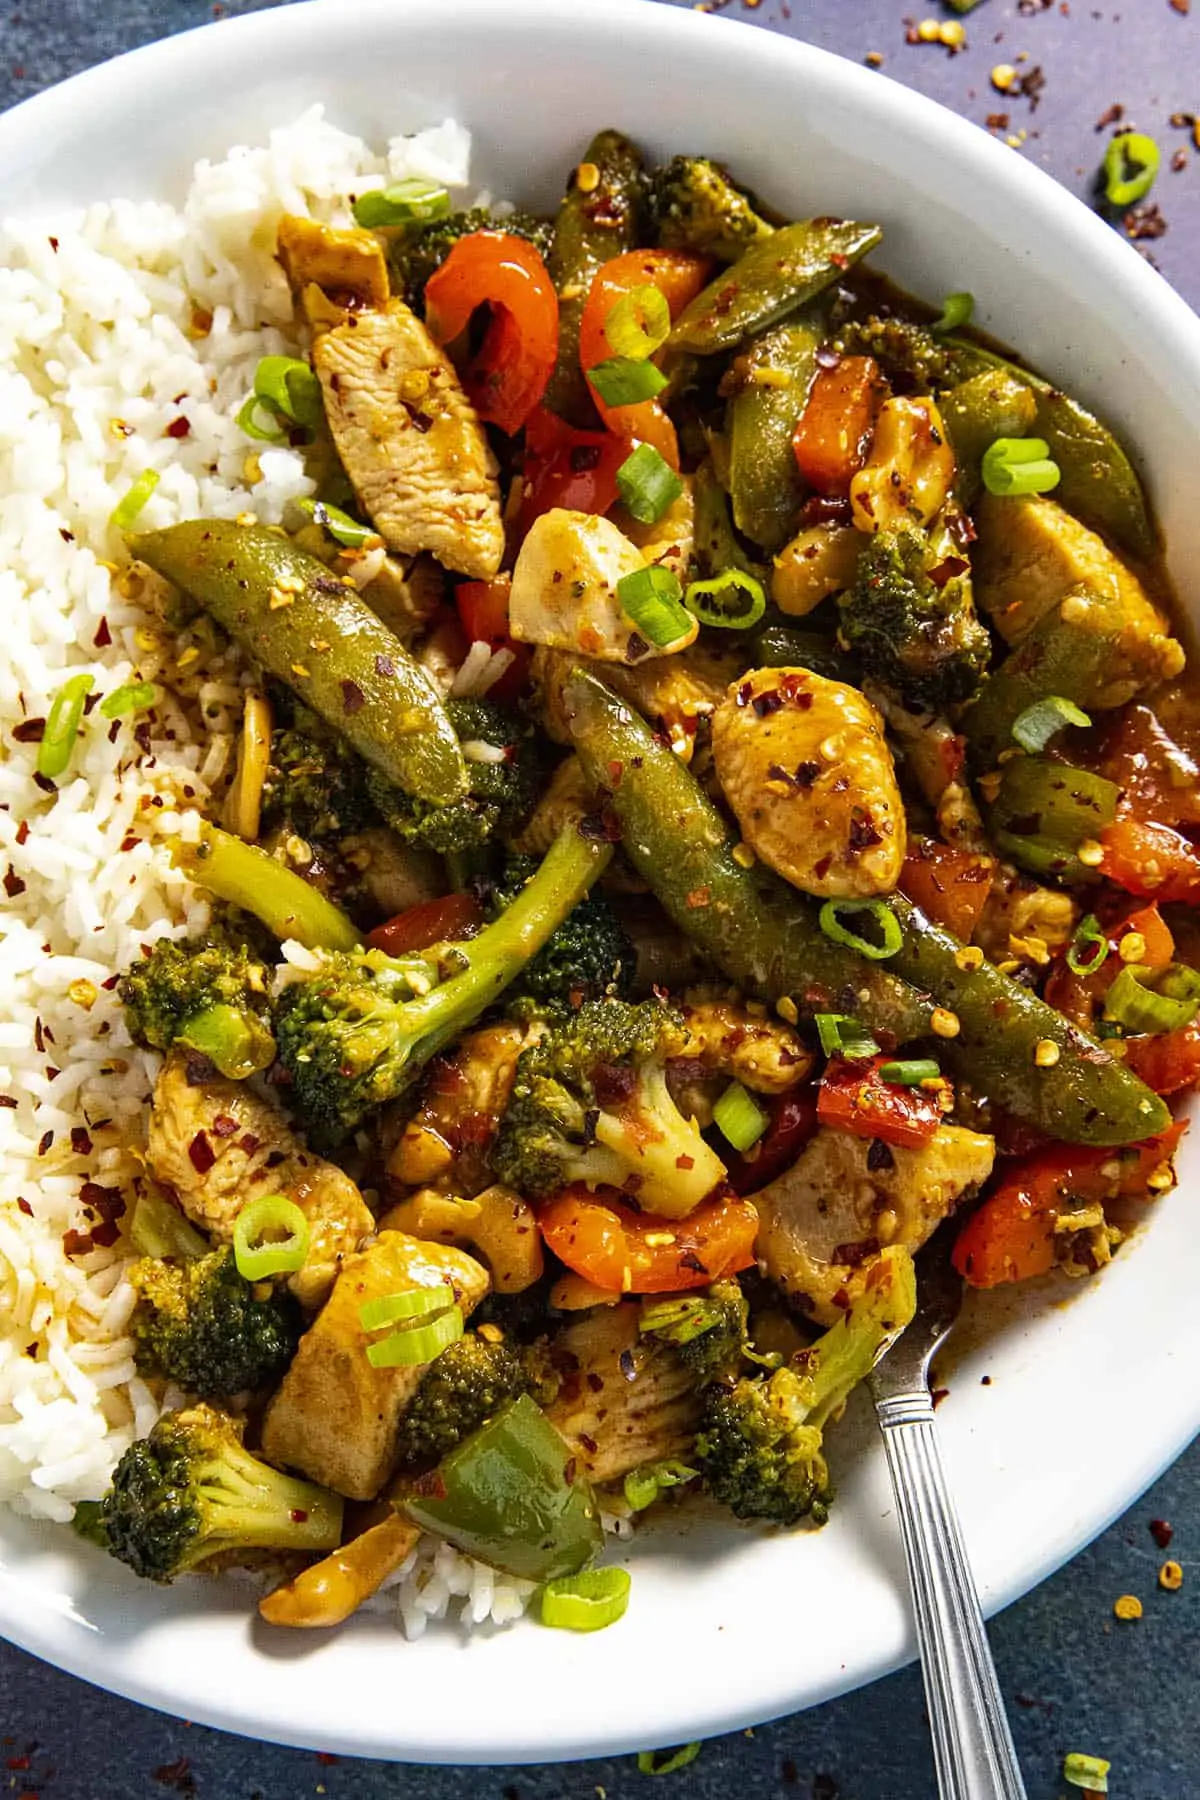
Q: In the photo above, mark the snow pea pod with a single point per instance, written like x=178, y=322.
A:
x=1086, y=1097
x=775, y=277
x=1097, y=480
x=599, y=218
x=761, y=932
x=308, y=629
x=764, y=481
x=991, y=404
x=765, y=936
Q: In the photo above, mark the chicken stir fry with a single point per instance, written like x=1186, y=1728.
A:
x=716, y=805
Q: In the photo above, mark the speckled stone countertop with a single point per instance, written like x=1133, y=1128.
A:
x=1073, y=1676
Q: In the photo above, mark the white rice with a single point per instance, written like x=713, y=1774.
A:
x=115, y=324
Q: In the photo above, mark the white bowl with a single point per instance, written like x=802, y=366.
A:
x=1088, y=1402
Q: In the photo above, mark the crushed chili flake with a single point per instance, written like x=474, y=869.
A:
x=130, y=843
x=29, y=731
x=1112, y=115
x=24, y=1206
x=699, y=897
x=1161, y=1532
x=177, y=1775
x=44, y=1142
x=103, y=637
x=7, y=1100
x=224, y=1125
x=384, y=665
x=997, y=121
x=1144, y=222
x=179, y=428
x=353, y=698
x=81, y=1143
x=13, y=885
x=77, y=1243
x=23, y=831
x=201, y=1154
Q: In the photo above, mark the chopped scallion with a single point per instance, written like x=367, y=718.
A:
x=910, y=1073
x=1153, y=1001
x=956, y=308
x=127, y=509
x=732, y=600
x=651, y=598
x=639, y=323
x=739, y=1118
x=134, y=697
x=891, y=937
x=417, y=1343
x=626, y=380
x=412, y=1303
x=290, y=388
x=842, y=1035
x=62, y=726
x=256, y=1251
x=1130, y=165
x=1014, y=466
x=648, y=484
x=1034, y=727
x=253, y=411
x=408, y=202
x=586, y=1602
x=668, y=1762
x=339, y=524
x=643, y=1486
x=1088, y=932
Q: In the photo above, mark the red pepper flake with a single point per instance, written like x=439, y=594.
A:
x=44, y=1142
x=7, y=1100
x=43, y=783
x=23, y=831
x=1179, y=162
x=29, y=731
x=39, y=1036
x=1161, y=1532
x=201, y=1154
x=24, y=1206
x=81, y=1142
x=18, y=1762
x=685, y=1162
x=103, y=637
x=1112, y=115
x=177, y=1775
x=249, y=1144
x=1180, y=6
x=1144, y=222
x=615, y=771
x=179, y=428
x=224, y=1125
x=299, y=1515
x=77, y=1243
x=353, y=698
x=699, y=897
x=130, y=843
x=384, y=665
x=326, y=1758
x=997, y=121
x=13, y=885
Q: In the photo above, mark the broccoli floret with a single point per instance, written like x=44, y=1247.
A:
x=459, y=1392
x=500, y=793
x=315, y=786
x=191, y=1491
x=208, y=992
x=910, y=619
x=589, y=956
x=910, y=355
x=202, y=1325
x=423, y=248
x=358, y=1030
x=709, y=1330
x=760, y=1447
x=590, y=1103
x=696, y=207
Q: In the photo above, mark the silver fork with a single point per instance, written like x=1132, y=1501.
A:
x=973, y=1750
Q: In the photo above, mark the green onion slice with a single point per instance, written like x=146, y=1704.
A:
x=134, y=697
x=889, y=927
x=625, y=380
x=647, y=483
x=956, y=311
x=732, y=600
x=256, y=1251
x=1034, y=727
x=419, y=1343
x=127, y=509
x=651, y=598
x=1130, y=165
x=910, y=1073
x=1152, y=1001
x=639, y=323
x=1013, y=466
x=253, y=410
x=842, y=1035
x=643, y=1486
x=340, y=525
x=412, y=1303
x=1080, y=960
x=667, y=1762
x=410, y=202
x=586, y=1602
x=290, y=388
x=62, y=726
x=739, y=1118
x=1083, y=1771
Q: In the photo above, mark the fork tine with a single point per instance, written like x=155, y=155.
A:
x=905, y=1366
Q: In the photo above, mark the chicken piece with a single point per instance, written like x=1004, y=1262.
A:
x=818, y=562
x=670, y=540
x=565, y=801
x=348, y=266
x=396, y=875
x=498, y=1223
x=847, y=1197
x=463, y=1095
x=218, y=1147
x=335, y=1417
x=410, y=440
x=673, y=692
x=1020, y=912
x=806, y=768
x=1030, y=552
x=613, y=1419
x=909, y=471
x=728, y=1038
x=564, y=590
x=404, y=596
x=935, y=755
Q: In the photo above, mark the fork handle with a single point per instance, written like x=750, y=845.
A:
x=973, y=1749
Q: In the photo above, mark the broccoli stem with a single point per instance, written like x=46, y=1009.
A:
x=247, y=877
x=497, y=956
x=234, y=1040
x=160, y=1230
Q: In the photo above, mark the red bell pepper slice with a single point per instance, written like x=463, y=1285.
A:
x=854, y=1097
x=569, y=468
x=483, y=609
x=793, y=1122
x=950, y=886
x=507, y=376
x=453, y=917
x=627, y=1252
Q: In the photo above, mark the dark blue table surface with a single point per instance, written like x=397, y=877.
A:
x=1074, y=1678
